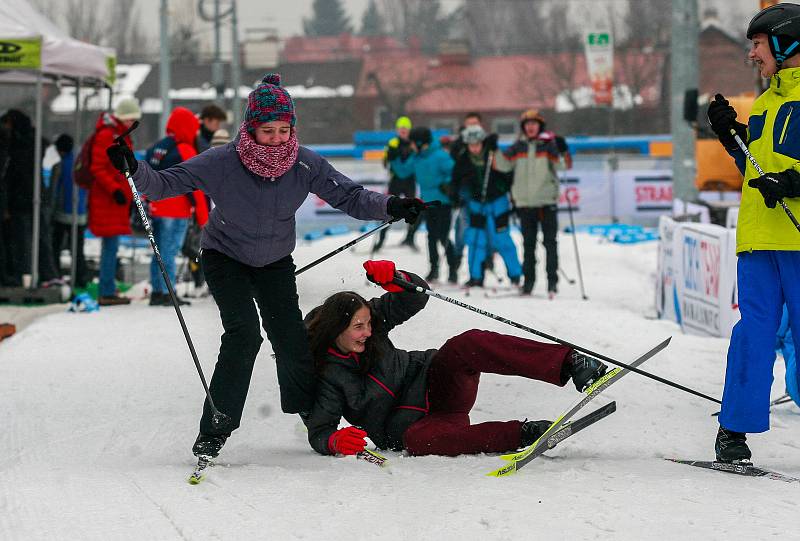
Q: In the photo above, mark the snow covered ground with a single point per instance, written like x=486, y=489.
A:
x=101, y=409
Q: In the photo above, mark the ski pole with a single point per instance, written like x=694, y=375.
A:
x=569, y=280
x=344, y=247
x=762, y=173
x=575, y=244
x=419, y=289
x=218, y=420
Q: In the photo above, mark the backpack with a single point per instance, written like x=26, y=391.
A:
x=81, y=173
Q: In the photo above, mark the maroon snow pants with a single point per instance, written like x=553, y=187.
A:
x=453, y=379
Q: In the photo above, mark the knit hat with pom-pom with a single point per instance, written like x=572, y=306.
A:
x=269, y=101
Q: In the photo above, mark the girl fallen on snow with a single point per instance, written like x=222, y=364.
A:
x=418, y=400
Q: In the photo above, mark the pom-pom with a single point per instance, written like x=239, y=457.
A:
x=272, y=79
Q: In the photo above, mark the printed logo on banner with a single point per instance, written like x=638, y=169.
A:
x=701, y=277
x=653, y=192
x=569, y=192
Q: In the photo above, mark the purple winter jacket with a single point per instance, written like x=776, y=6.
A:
x=253, y=221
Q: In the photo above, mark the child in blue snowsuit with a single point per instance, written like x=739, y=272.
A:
x=432, y=166
x=487, y=204
x=785, y=344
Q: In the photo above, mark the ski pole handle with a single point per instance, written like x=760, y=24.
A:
x=761, y=173
x=120, y=139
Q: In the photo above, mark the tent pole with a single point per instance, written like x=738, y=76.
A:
x=37, y=184
x=73, y=249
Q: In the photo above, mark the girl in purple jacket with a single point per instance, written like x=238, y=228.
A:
x=257, y=182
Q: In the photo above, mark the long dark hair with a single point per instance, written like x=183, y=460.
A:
x=330, y=319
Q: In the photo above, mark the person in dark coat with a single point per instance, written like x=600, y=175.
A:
x=18, y=181
x=257, y=183
x=419, y=400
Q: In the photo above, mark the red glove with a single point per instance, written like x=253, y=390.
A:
x=382, y=273
x=347, y=441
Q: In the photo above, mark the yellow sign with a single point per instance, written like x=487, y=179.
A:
x=20, y=54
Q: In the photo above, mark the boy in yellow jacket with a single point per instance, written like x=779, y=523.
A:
x=767, y=243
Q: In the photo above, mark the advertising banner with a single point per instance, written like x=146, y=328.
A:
x=696, y=279
x=16, y=54
x=599, y=49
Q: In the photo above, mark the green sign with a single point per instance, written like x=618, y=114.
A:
x=598, y=38
x=20, y=54
x=111, y=65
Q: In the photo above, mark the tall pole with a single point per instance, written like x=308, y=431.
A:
x=73, y=244
x=164, y=74
x=235, y=67
x=683, y=69
x=216, y=67
x=37, y=185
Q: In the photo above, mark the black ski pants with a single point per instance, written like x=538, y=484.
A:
x=241, y=292
x=406, y=187
x=438, y=220
x=530, y=219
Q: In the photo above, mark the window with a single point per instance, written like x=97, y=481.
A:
x=505, y=126
x=447, y=124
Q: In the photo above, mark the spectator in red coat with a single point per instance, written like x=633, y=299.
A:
x=170, y=217
x=110, y=197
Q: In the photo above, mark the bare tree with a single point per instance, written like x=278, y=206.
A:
x=421, y=18
x=84, y=21
x=184, y=33
x=124, y=31
x=397, y=84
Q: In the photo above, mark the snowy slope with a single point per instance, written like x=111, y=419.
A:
x=101, y=409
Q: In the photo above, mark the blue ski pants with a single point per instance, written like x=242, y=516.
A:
x=766, y=280
x=489, y=231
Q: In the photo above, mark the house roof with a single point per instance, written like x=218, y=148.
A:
x=302, y=49
x=505, y=83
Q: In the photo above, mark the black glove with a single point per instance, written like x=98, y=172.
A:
x=407, y=208
x=119, y=197
x=490, y=141
x=775, y=186
x=122, y=158
x=721, y=118
x=561, y=144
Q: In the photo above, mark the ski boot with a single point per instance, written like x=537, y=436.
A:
x=731, y=447
x=432, y=276
x=208, y=445
x=474, y=282
x=530, y=431
x=583, y=370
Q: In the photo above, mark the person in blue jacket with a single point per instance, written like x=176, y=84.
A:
x=432, y=166
x=785, y=344
x=63, y=190
x=257, y=183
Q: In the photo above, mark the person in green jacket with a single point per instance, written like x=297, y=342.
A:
x=767, y=242
x=534, y=159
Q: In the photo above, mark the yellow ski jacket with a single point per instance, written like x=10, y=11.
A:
x=774, y=141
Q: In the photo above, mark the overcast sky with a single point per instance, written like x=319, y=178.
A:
x=286, y=16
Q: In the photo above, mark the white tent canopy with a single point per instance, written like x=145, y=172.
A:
x=60, y=54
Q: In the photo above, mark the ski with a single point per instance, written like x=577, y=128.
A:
x=573, y=427
x=373, y=458
x=781, y=400
x=737, y=468
x=199, y=472
x=519, y=460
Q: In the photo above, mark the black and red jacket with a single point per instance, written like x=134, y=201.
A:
x=385, y=401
